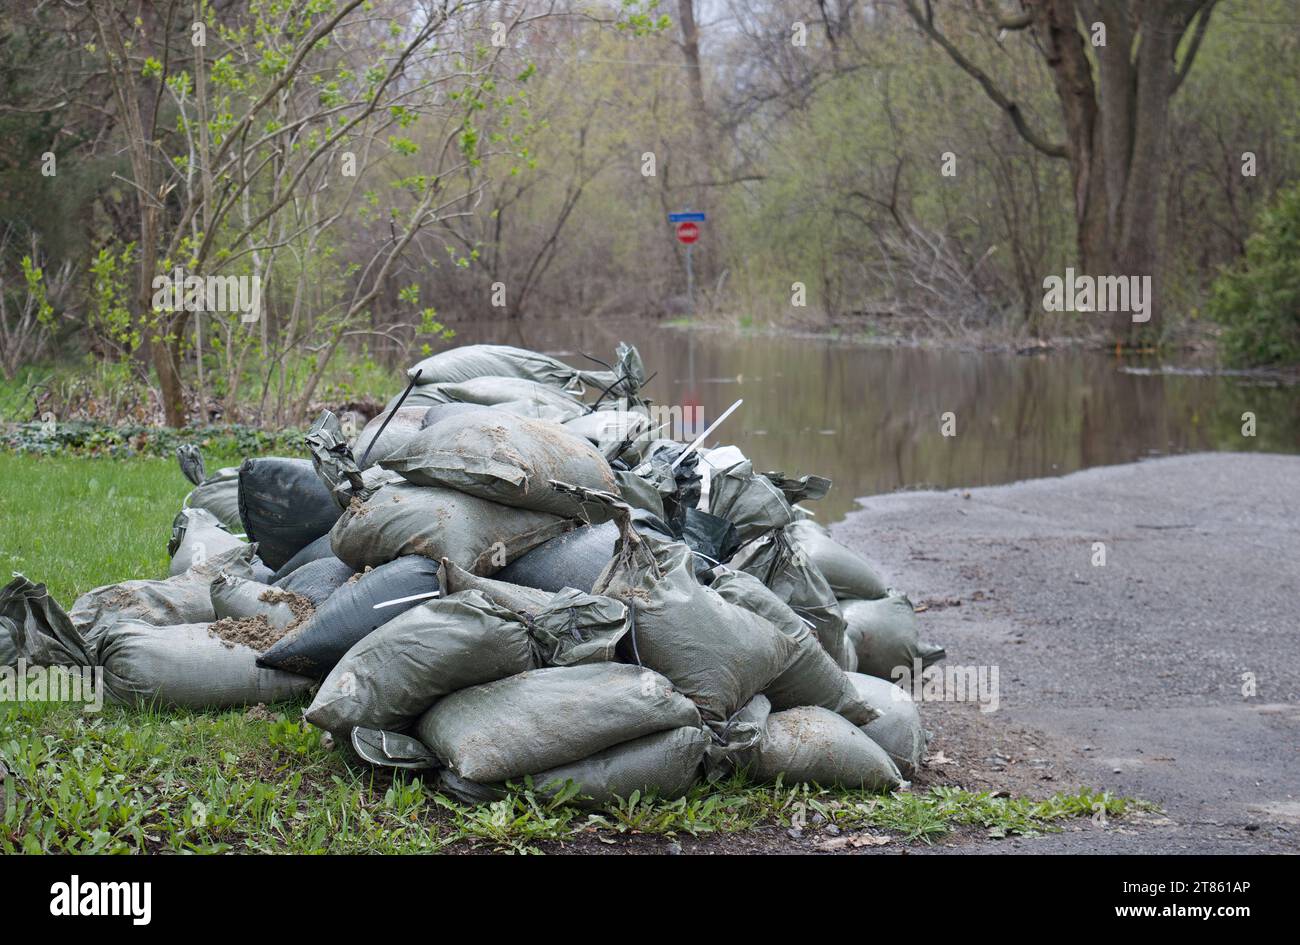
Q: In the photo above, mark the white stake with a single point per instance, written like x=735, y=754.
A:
x=701, y=438
x=406, y=600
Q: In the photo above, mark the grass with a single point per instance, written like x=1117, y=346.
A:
x=127, y=780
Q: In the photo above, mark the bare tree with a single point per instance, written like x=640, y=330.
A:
x=1115, y=67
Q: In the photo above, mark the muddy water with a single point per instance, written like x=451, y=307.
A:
x=870, y=417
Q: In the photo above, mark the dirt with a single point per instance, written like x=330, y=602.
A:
x=256, y=633
x=1168, y=673
x=302, y=608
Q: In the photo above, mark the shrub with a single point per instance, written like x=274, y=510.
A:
x=1258, y=301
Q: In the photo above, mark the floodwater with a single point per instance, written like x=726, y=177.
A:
x=871, y=417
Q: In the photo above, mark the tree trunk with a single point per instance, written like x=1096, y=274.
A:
x=1117, y=129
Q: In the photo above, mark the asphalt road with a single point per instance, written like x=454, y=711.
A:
x=1134, y=675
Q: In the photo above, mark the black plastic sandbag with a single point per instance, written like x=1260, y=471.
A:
x=317, y=580
x=284, y=507
x=320, y=548
x=349, y=614
x=710, y=535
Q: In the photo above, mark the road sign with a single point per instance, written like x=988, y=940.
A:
x=687, y=233
x=687, y=216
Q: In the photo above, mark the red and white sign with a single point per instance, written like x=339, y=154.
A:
x=687, y=233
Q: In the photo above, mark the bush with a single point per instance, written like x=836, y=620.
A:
x=86, y=438
x=1258, y=301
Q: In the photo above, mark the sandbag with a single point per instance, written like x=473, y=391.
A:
x=574, y=559
x=240, y=599
x=391, y=676
x=898, y=727
x=217, y=494
x=509, y=394
x=197, y=536
x=403, y=519
x=188, y=667
x=283, y=506
x=34, y=627
x=190, y=459
x=716, y=653
x=813, y=677
x=568, y=628
x=470, y=361
x=439, y=412
x=712, y=462
x=507, y=459
x=793, y=577
x=753, y=503
x=320, y=548
x=640, y=493
x=883, y=633
x=545, y=718
x=613, y=432
x=801, y=489
x=734, y=738
x=849, y=574
x=708, y=535
x=185, y=598
x=664, y=765
x=392, y=750
x=678, y=486
x=452, y=579
x=314, y=646
x=405, y=423
x=817, y=746
x=849, y=655
x=317, y=580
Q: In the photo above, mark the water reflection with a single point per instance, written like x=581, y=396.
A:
x=869, y=417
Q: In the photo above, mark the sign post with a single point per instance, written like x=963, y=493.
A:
x=688, y=231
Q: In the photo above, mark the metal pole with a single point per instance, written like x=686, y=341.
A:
x=690, y=278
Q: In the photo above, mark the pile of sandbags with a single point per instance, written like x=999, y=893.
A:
x=506, y=576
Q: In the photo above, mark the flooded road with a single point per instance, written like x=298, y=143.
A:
x=871, y=417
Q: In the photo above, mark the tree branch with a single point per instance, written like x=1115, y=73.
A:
x=1202, y=24
x=926, y=22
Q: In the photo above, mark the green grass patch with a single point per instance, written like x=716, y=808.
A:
x=127, y=780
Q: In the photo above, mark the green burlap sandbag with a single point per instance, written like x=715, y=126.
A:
x=817, y=746
x=883, y=633
x=849, y=574
x=717, y=653
x=507, y=459
x=813, y=677
x=545, y=718
x=665, y=765
x=898, y=729
x=790, y=574
x=403, y=519
x=395, y=673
